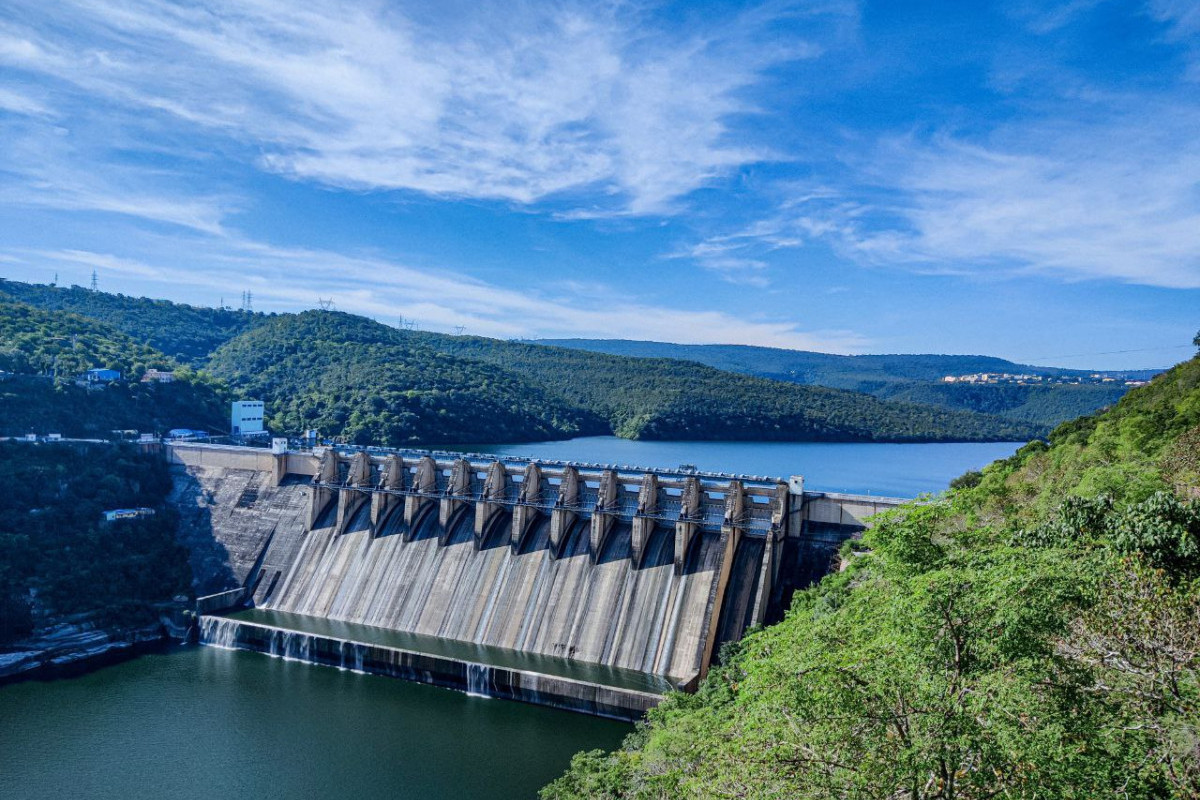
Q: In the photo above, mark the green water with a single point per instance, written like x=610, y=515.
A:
x=459, y=651
x=202, y=722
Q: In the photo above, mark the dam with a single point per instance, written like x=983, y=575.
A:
x=589, y=587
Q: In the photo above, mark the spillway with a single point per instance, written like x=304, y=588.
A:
x=435, y=582
x=587, y=587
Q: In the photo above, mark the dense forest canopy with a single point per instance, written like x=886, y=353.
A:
x=396, y=386
x=48, y=350
x=185, y=333
x=353, y=378
x=907, y=378
x=59, y=557
x=1035, y=633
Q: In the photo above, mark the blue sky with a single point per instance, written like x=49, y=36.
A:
x=1019, y=179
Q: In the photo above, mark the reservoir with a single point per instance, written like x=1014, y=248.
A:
x=207, y=722
x=895, y=470
x=202, y=722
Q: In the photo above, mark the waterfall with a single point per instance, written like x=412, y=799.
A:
x=219, y=632
x=479, y=680
x=289, y=645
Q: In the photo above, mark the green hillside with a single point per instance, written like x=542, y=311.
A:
x=348, y=376
x=345, y=373
x=1050, y=405
x=906, y=378
x=46, y=350
x=186, y=333
x=1033, y=634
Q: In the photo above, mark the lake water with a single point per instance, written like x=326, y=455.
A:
x=202, y=722
x=205, y=722
x=895, y=470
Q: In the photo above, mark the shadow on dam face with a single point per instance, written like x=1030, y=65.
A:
x=614, y=572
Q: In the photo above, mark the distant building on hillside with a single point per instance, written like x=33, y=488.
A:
x=101, y=376
x=186, y=434
x=246, y=418
x=158, y=376
x=127, y=513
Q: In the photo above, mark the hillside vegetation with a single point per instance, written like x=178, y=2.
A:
x=1035, y=633
x=372, y=384
x=905, y=378
x=58, y=557
x=353, y=378
x=47, y=350
x=185, y=333
x=376, y=383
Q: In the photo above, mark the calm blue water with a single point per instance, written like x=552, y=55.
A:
x=895, y=470
x=202, y=723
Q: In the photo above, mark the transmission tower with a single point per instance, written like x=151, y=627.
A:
x=95, y=284
x=326, y=305
x=458, y=329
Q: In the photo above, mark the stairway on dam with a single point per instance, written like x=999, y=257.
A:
x=627, y=570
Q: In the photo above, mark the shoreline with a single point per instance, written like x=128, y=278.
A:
x=71, y=651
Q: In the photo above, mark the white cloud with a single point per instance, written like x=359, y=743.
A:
x=508, y=101
x=289, y=279
x=1108, y=195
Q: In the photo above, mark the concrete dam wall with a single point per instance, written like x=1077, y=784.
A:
x=622, y=568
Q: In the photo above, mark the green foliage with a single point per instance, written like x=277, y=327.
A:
x=368, y=383
x=58, y=555
x=37, y=405
x=372, y=383
x=185, y=333
x=36, y=342
x=667, y=399
x=38, y=345
x=902, y=378
x=349, y=376
x=1026, y=636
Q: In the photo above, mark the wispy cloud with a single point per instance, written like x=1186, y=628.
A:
x=510, y=101
x=1109, y=195
x=288, y=279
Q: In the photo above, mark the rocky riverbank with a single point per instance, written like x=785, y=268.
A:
x=69, y=649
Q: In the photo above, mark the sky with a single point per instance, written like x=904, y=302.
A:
x=1018, y=178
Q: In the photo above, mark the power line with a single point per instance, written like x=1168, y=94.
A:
x=1115, y=352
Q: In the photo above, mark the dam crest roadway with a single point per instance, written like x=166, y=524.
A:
x=566, y=579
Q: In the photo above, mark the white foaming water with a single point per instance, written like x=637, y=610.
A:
x=479, y=682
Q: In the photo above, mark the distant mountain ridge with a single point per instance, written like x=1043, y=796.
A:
x=907, y=378
x=369, y=383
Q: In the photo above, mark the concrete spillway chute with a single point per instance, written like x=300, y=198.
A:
x=645, y=519
x=528, y=508
x=492, y=500
x=566, y=509
x=690, y=514
x=605, y=514
x=423, y=494
x=355, y=490
x=324, y=486
x=388, y=498
x=456, y=497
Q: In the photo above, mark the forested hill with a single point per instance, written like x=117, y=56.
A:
x=1033, y=634
x=907, y=378
x=186, y=333
x=47, y=350
x=349, y=376
x=804, y=366
x=381, y=384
